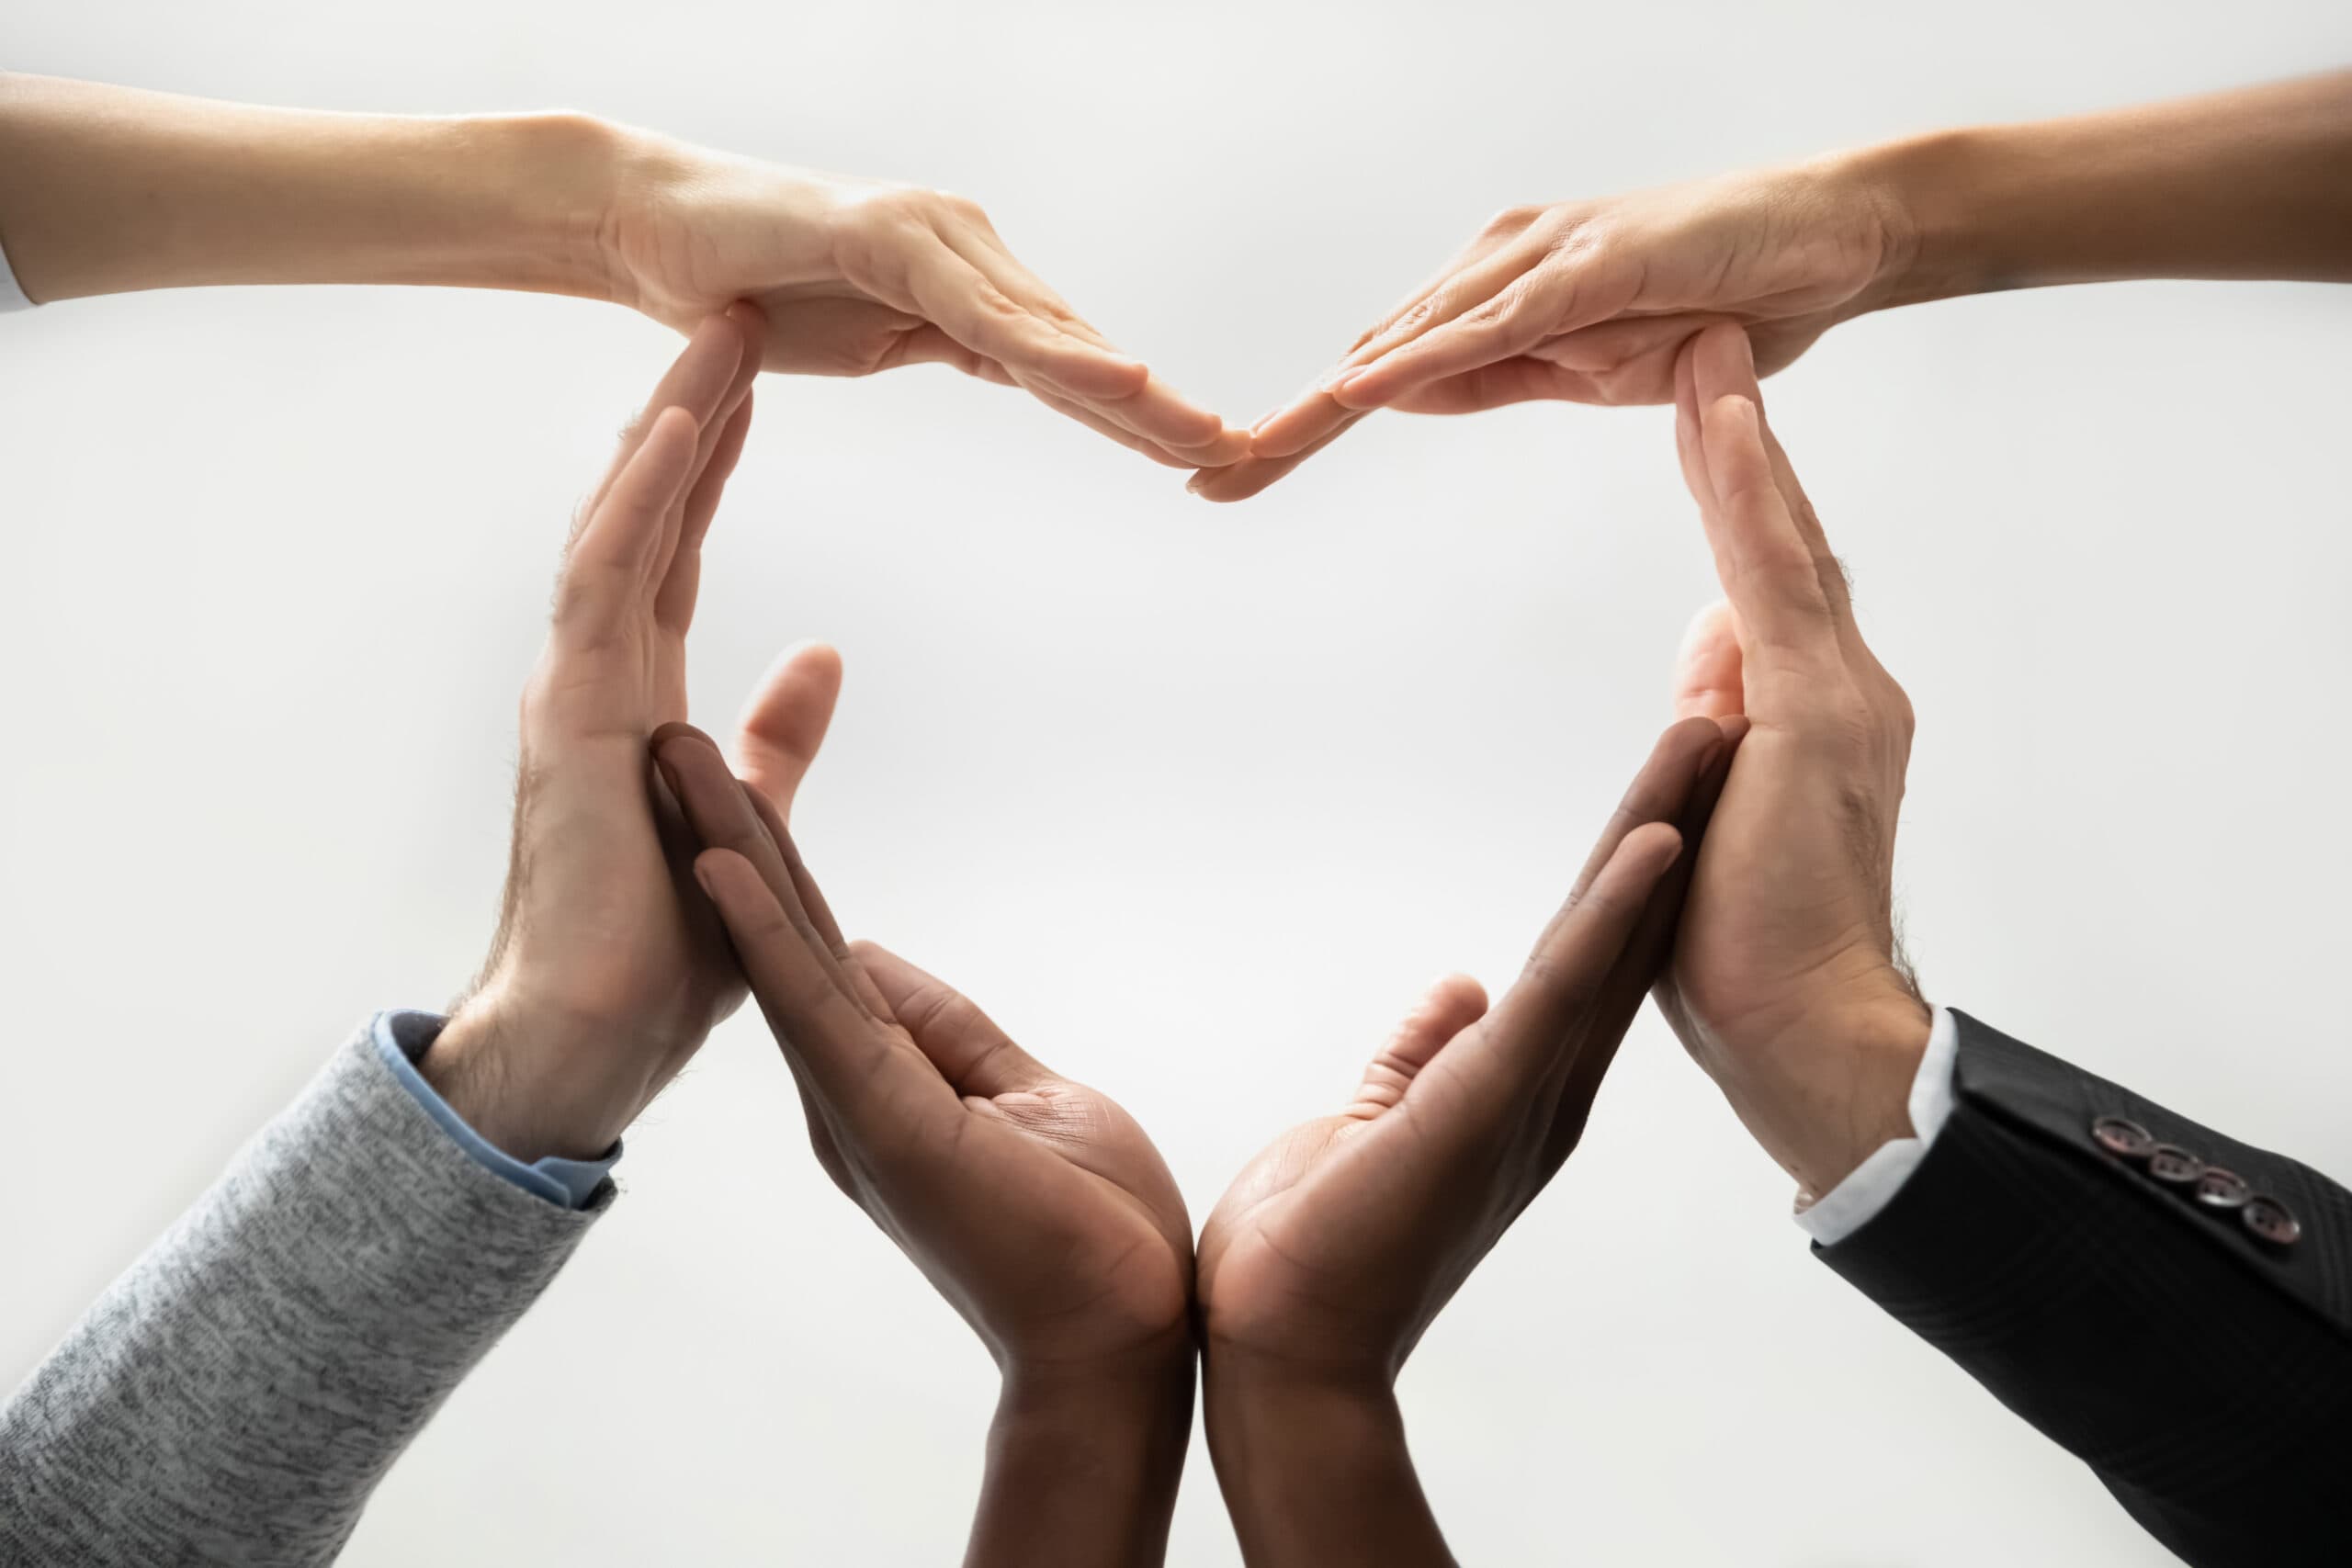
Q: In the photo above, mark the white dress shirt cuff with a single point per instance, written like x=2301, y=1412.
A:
x=12, y=297
x=1853, y=1203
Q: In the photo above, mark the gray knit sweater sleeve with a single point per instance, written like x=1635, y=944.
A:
x=237, y=1395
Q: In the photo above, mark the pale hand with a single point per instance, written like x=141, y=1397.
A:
x=856, y=276
x=1590, y=301
x=1786, y=985
x=607, y=970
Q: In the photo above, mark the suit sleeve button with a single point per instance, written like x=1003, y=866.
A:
x=2223, y=1187
x=2121, y=1138
x=2218, y=1188
x=2271, y=1220
x=2174, y=1166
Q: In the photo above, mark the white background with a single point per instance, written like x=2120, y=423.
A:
x=1194, y=799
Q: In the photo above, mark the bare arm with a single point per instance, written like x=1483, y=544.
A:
x=108, y=189
x=1590, y=300
x=2255, y=183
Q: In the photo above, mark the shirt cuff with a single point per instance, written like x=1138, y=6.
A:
x=1872, y=1185
x=402, y=1036
x=12, y=293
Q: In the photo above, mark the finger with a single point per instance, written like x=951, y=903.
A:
x=952, y=293
x=970, y=1051
x=1501, y=234
x=1474, y=283
x=1103, y=426
x=1687, y=448
x=1658, y=794
x=829, y=1038
x=1155, y=411
x=696, y=382
x=1761, y=558
x=1298, y=424
x=1450, y=1005
x=1242, y=479
x=913, y=341
x=781, y=728
x=1524, y=379
x=606, y=574
x=1707, y=670
x=1164, y=418
x=1545, y=1014
x=1644, y=960
x=812, y=899
x=1473, y=276
x=1556, y=298
x=724, y=815
x=674, y=603
x=1723, y=364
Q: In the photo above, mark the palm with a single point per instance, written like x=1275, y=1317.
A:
x=1035, y=1166
x=1342, y=1239
x=1767, y=903
x=1302, y=1240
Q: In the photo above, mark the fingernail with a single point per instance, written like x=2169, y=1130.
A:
x=1336, y=381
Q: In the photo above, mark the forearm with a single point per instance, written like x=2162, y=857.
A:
x=2255, y=183
x=240, y=1392
x=1083, y=1469
x=108, y=189
x=1316, y=1471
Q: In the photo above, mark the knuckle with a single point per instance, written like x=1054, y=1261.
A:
x=1511, y=220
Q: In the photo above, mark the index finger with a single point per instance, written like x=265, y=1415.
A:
x=1766, y=567
x=1554, y=999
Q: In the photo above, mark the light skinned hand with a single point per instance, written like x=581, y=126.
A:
x=1787, y=984
x=1590, y=301
x=607, y=970
x=857, y=276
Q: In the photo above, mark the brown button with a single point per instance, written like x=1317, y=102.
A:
x=2218, y=1188
x=2125, y=1140
x=2271, y=1220
x=2174, y=1166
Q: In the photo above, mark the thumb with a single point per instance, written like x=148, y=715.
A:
x=976, y=1056
x=1451, y=1004
x=785, y=722
x=1707, y=670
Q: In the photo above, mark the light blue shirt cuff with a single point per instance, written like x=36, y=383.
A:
x=402, y=1036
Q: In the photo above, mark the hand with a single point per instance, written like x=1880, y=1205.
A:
x=856, y=276
x=1786, y=984
x=1333, y=1251
x=1036, y=1206
x=1589, y=301
x=607, y=970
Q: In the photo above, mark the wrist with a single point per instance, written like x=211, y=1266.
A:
x=1825, y=1096
x=1083, y=1462
x=1970, y=230
x=526, y=1081
x=1315, y=1467
x=1867, y=181
x=553, y=179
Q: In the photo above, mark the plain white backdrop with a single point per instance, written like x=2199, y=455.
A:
x=1194, y=799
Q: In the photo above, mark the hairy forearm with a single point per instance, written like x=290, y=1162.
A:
x=2255, y=183
x=108, y=189
x=1084, y=1467
x=1316, y=1471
